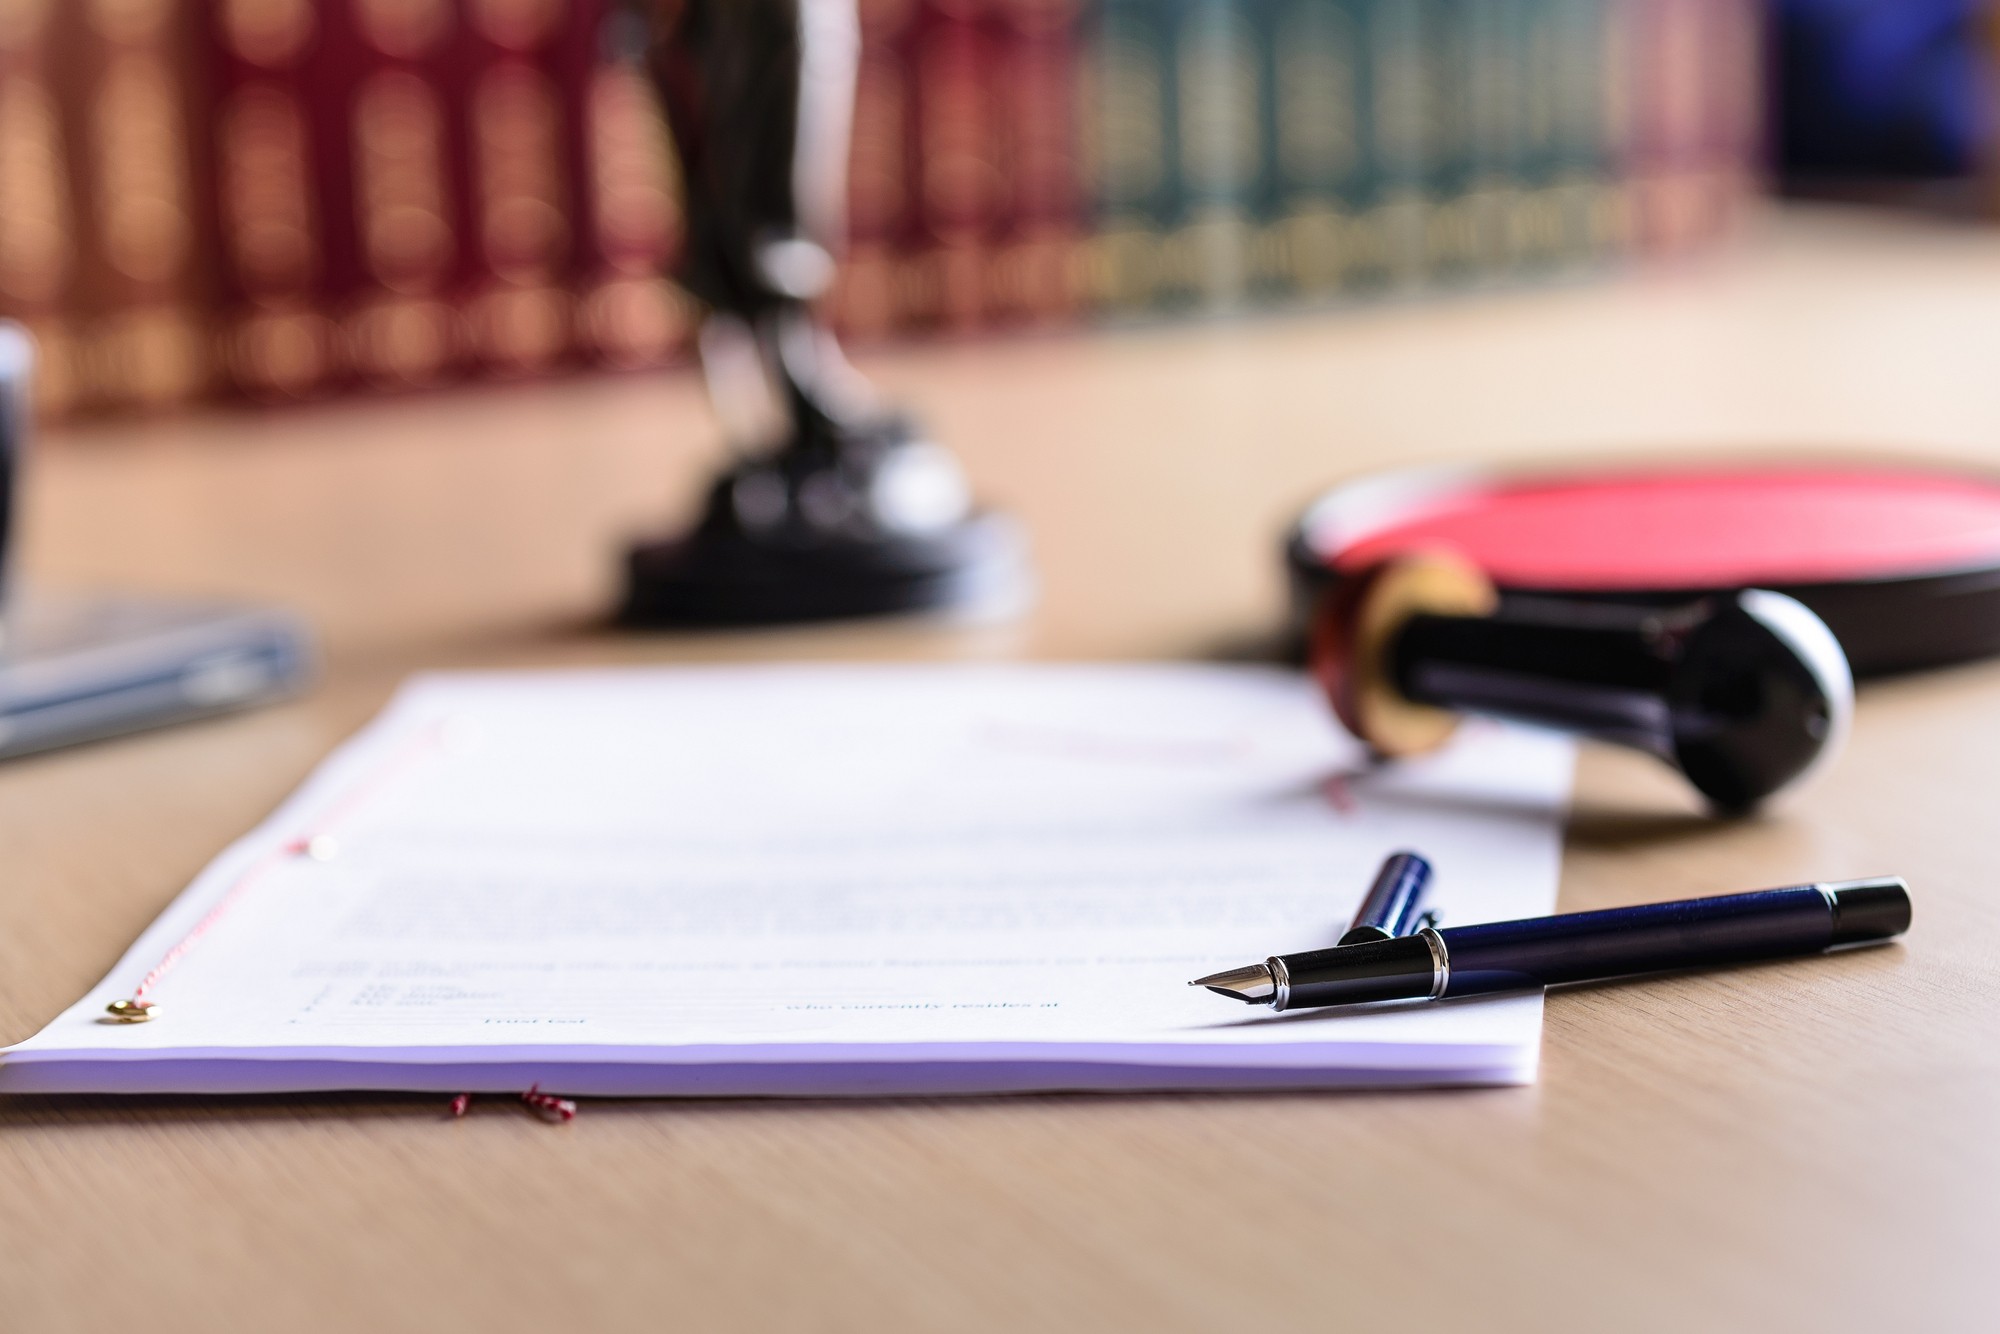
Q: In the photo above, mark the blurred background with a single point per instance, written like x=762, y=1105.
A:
x=288, y=200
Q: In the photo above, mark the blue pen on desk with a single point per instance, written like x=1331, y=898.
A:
x=1577, y=947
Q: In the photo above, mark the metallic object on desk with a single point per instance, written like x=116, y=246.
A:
x=837, y=507
x=1744, y=694
x=130, y=1012
x=76, y=668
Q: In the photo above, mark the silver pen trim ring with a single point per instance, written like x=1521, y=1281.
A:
x=1281, y=977
x=1440, y=962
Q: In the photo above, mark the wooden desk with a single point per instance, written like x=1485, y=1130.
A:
x=1793, y=1146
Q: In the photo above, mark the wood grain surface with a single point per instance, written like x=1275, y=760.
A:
x=1795, y=1146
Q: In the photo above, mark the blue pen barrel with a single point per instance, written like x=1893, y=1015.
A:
x=1693, y=933
x=1578, y=947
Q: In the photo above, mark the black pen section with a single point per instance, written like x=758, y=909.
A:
x=1377, y=970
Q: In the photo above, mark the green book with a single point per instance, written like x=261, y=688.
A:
x=1269, y=150
x=1466, y=119
x=1511, y=118
x=1400, y=141
x=1219, y=131
x=1547, y=46
x=1313, y=143
x=1127, y=146
x=1579, y=162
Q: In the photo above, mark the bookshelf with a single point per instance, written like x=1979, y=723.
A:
x=288, y=201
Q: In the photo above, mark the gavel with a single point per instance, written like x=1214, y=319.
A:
x=1743, y=693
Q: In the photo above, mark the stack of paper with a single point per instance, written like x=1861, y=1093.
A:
x=822, y=880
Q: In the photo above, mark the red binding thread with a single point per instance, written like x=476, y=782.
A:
x=296, y=847
x=547, y=1106
x=262, y=867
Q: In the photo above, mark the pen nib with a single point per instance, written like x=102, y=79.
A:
x=1252, y=985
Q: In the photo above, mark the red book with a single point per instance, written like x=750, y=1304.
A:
x=393, y=210
x=511, y=133
x=1037, y=222
x=276, y=338
x=139, y=297
x=37, y=222
x=880, y=174
x=957, y=178
x=624, y=189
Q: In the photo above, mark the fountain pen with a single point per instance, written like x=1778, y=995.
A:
x=1440, y=964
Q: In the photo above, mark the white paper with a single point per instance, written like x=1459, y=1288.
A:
x=824, y=880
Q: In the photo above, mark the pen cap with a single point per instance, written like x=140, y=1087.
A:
x=1390, y=909
x=17, y=371
x=17, y=364
x=1867, y=910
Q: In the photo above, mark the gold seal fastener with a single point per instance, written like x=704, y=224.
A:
x=131, y=1012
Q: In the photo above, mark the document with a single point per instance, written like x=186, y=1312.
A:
x=822, y=880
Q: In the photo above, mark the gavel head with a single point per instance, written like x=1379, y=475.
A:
x=1761, y=695
x=1744, y=693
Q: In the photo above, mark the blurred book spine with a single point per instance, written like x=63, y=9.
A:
x=37, y=209
x=943, y=268
x=513, y=126
x=624, y=183
x=399, y=249
x=1403, y=145
x=1034, y=271
x=1220, y=135
x=138, y=301
x=869, y=299
x=1576, y=166
x=274, y=337
x=1315, y=141
x=1469, y=121
x=288, y=199
x=1129, y=144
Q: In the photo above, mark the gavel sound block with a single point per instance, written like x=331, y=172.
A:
x=1743, y=693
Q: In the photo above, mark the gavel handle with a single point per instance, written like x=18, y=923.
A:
x=1599, y=670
